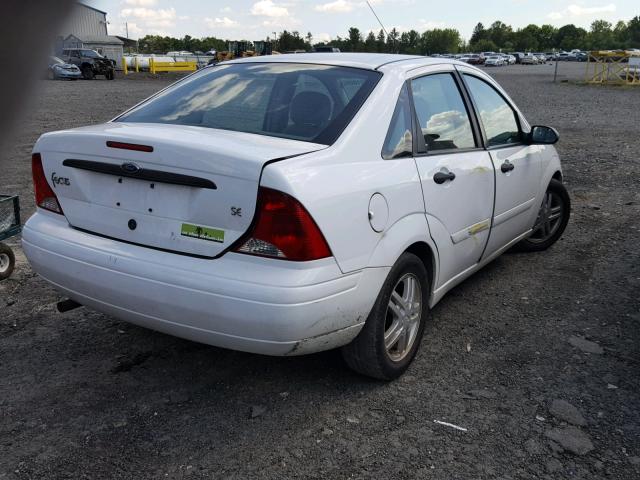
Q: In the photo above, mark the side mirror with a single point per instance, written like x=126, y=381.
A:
x=541, y=135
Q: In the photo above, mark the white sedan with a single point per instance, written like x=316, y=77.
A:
x=297, y=203
x=494, y=61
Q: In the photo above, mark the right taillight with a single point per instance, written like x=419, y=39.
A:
x=283, y=229
x=45, y=198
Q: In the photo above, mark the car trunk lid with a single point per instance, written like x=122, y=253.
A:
x=193, y=191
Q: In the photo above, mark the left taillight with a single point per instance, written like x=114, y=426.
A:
x=45, y=198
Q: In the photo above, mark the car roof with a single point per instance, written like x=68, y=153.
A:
x=370, y=61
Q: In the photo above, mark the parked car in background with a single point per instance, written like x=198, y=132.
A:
x=581, y=57
x=509, y=59
x=494, y=61
x=475, y=59
x=90, y=63
x=542, y=58
x=566, y=57
x=237, y=223
x=58, y=69
x=529, y=59
x=518, y=56
x=326, y=49
x=551, y=56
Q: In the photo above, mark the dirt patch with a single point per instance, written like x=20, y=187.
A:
x=85, y=396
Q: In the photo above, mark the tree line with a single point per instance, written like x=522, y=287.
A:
x=602, y=35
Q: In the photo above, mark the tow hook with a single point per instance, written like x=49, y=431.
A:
x=66, y=305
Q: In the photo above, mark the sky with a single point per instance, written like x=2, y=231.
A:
x=257, y=19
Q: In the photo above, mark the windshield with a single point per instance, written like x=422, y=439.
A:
x=90, y=54
x=312, y=103
x=55, y=60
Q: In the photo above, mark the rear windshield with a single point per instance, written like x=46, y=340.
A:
x=311, y=103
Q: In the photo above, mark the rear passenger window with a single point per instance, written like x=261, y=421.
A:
x=399, y=141
x=443, y=118
x=497, y=116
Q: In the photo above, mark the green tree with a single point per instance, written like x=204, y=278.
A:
x=479, y=33
x=409, y=42
x=633, y=33
x=370, y=43
x=547, y=37
x=499, y=33
x=601, y=35
x=393, y=40
x=438, y=40
x=290, y=41
x=570, y=37
x=381, y=42
x=355, y=39
x=526, y=39
x=621, y=34
x=484, y=45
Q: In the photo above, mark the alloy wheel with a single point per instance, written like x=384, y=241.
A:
x=549, y=218
x=403, y=317
x=5, y=261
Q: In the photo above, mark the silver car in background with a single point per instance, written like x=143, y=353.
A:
x=59, y=69
x=494, y=61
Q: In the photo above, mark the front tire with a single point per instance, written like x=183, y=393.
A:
x=391, y=336
x=551, y=221
x=87, y=73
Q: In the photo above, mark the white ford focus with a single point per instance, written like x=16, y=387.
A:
x=293, y=204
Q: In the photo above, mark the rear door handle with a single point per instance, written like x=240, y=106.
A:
x=507, y=167
x=441, y=177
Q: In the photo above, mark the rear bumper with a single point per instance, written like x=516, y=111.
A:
x=237, y=301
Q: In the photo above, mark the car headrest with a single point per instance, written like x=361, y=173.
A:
x=310, y=108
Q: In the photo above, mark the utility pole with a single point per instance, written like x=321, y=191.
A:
x=126, y=27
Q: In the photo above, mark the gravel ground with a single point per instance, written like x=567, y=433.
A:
x=536, y=356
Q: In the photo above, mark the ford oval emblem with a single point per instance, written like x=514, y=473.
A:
x=130, y=167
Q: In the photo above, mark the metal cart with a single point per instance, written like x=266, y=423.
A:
x=9, y=226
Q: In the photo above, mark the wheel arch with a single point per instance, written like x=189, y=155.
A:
x=557, y=175
x=409, y=234
x=425, y=253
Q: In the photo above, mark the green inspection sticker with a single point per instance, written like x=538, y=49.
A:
x=202, y=233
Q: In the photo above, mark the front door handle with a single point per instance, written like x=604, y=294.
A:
x=507, y=166
x=441, y=177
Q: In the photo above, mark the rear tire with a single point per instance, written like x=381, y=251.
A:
x=391, y=336
x=7, y=261
x=549, y=227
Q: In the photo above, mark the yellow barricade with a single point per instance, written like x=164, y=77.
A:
x=155, y=67
x=615, y=68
